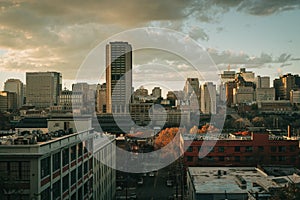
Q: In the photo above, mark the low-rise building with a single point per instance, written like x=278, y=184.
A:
x=58, y=165
x=238, y=150
x=241, y=183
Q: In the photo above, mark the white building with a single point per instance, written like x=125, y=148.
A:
x=65, y=166
x=242, y=183
x=208, y=98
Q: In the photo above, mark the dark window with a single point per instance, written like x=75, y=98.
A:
x=14, y=170
x=85, y=167
x=210, y=149
x=45, y=167
x=56, y=161
x=282, y=158
x=73, y=177
x=80, y=149
x=66, y=184
x=56, y=190
x=273, y=148
x=249, y=158
x=25, y=171
x=80, y=193
x=249, y=149
x=73, y=152
x=293, y=159
x=273, y=158
x=292, y=148
x=260, y=148
x=221, y=158
x=79, y=172
x=237, y=158
x=281, y=148
x=210, y=158
x=220, y=149
x=65, y=157
x=46, y=194
x=190, y=159
x=189, y=149
x=237, y=149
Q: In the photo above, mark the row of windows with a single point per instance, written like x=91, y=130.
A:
x=15, y=170
x=292, y=159
x=74, y=152
x=246, y=148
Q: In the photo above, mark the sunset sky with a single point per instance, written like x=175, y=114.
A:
x=57, y=35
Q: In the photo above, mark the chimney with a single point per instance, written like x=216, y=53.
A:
x=289, y=131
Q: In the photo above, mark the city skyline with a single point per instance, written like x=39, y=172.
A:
x=259, y=35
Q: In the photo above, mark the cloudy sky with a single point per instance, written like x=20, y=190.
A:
x=41, y=35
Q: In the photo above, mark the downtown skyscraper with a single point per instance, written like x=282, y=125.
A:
x=43, y=88
x=118, y=77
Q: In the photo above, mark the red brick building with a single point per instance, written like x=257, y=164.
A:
x=259, y=148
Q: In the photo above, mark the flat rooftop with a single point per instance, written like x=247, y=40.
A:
x=217, y=180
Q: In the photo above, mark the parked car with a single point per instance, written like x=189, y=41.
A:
x=140, y=181
x=169, y=183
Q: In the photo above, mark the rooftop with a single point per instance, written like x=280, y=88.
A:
x=240, y=180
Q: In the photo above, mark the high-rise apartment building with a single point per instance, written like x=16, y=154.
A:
x=208, y=98
x=8, y=101
x=16, y=86
x=191, y=85
x=43, y=88
x=118, y=77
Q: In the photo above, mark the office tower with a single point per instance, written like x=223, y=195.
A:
x=156, y=92
x=208, y=98
x=65, y=100
x=83, y=97
x=43, y=88
x=284, y=85
x=262, y=82
x=118, y=77
x=191, y=85
x=101, y=98
x=8, y=101
x=16, y=86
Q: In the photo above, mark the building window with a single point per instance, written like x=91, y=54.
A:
x=56, y=161
x=282, y=158
x=273, y=158
x=65, y=157
x=220, y=149
x=210, y=158
x=249, y=158
x=237, y=149
x=80, y=146
x=79, y=172
x=56, y=190
x=292, y=148
x=249, y=149
x=221, y=158
x=281, y=149
x=190, y=159
x=273, y=148
x=260, y=148
x=46, y=194
x=45, y=167
x=237, y=159
x=25, y=171
x=85, y=167
x=14, y=170
x=293, y=159
x=189, y=149
x=73, y=152
x=65, y=182
x=73, y=177
x=210, y=149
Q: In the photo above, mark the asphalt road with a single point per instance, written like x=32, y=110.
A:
x=155, y=188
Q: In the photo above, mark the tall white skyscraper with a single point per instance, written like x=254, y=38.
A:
x=16, y=86
x=43, y=88
x=118, y=77
x=208, y=98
